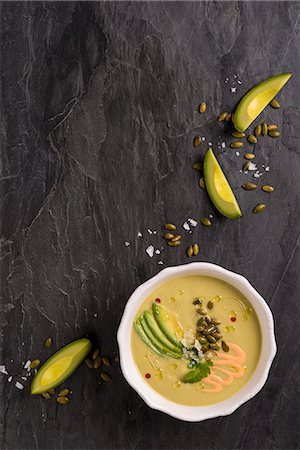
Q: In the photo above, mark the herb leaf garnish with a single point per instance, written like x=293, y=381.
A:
x=199, y=371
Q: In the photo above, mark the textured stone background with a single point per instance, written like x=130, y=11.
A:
x=98, y=115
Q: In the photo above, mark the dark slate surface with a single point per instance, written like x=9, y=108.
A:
x=98, y=114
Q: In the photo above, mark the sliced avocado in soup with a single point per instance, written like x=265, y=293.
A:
x=156, y=331
x=139, y=329
x=255, y=101
x=60, y=366
x=162, y=348
x=168, y=324
x=218, y=187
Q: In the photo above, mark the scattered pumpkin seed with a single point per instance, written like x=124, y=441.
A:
x=222, y=116
x=249, y=155
x=246, y=166
x=105, y=376
x=198, y=301
x=267, y=188
x=272, y=127
x=97, y=362
x=62, y=400
x=252, y=139
x=202, y=107
x=95, y=354
x=217, y=335
x=46, y=395
x=210, y=304
x=275, y=104
x=196, y=249
x=210, y=338
x=264, y=129
x=225, y=347
x=228, y=117
x=249, y=186
x=106, y=361
x=202, y=183
x=238, y=134
x=215, y=321
x=170, y=226
x=206, y=221
x=190, y=251
x=34, y=363
x=176, y=238
x=174, y=244
x=197, y=166
x=202, y=340
x=51, y=391
x=259, y=208
x=274, y=133
x=169, y=236
x=236, y=144
x=202, y=311
x=197, y=141
x=257, y=130
x=89, y=363
x=48, y=342
x=63, y=392
x=215, y=346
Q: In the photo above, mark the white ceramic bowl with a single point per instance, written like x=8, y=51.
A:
x=197, y=413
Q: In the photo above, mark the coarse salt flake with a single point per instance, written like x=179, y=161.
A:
x=9, y=379
x=150, y=251
x=237, y=153
x=193, y=222
x=267, y=168
x=3, y=370
x=157, y=251
x=27, y=365
x=150, y=231
x=233, y=89
x=252, y=166
x=126, y=243
x=186, y=226
x=19, y=385
x=160, y=262
x=139, y=234
x=223, y=145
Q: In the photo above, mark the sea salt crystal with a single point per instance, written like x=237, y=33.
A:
x=150, y=231
x=95, y=315
x=237, y=153
x=126, y=243
x=203, y=138
x=24, y=378
x=226, y=80
x=139, y=234
x=252, y=166
x=210, y=144
x=9, y=379
x=19, y=385
x=160, y=262
x=257, y=174
x=3, y=370
x=193, y=222
x=27, y=365
x=150, y=251
x=186, y=226
x=239, y=82
x=223, y=145
x=233, y=89
x=267, y=169
x=188, y=339
x=157, y=251
x=211, y=216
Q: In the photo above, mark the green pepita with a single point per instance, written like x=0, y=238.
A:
x=210, y=304
x=257, y=130
x=170, y=226
x=222, y=116
x=62, y=400
x=264, y=129
x=176, y=238
x=89, y=363
x=252, y=139
x=48, y=342
x=238, y=134
x=249, y=156
x=190, y=251
x=267, y=188
x=195, y=249
x=197, y=301
x=106, y=361
x=217, y=335
x=169, y=236
x=206, y=221
x=105, y=376
x=51, y=391
x=46, y=395
x=246, y=166
x=202, y=311
x=210, y=329
x=202, y=183
x=95, y=354
x=259, y=208
x=35, y=363
x=63, y=393
x=249, y=186
x=202, y=107
x=236, y=144
x=272, y=127
x=210, y=338
x=274, y=133
x=197, y=141
x=275, y=104
x=215, y=321
x=225, y=347
x=174, y=244
x=228, y=117
x=202, y=340
x=215, y=346
x=97, y=362
x=197, y=166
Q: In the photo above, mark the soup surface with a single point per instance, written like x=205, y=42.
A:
x=210, y=342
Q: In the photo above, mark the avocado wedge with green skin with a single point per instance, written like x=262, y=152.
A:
x=142, y=334
x=60, y=366
x=218, y=187
x=158, y=334
x=255, y=101
x=162, y=318
x=163, y=349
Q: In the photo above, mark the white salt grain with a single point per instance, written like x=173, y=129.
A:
x=160, y=262
x=252, y=166
x=233, y=89
x=9, y=379
x=139, y=234
x=223, y=145
x=237, y=153
x=186, y=226
x=126, y=243
x=157, y=251
x=27, y=365
x=193, y=222
x=19, y=385
x=150, y=231
x=150, y=251
x=3, y=370
x=267, y=169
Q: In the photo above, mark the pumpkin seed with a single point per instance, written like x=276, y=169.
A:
x=34, y=363
x=228, y=117
x=197, y=166
x=238, y=134
x=274, y=133
x=201, y=329
x=272, y=127
x=207, y=319
x=215, y=346
x=176, y=238
x=206, y=221
x=197, y=141
x=236, y=144
x=105, y=376
x=210, y=329
x=275, y=104
x=51, y=391
x=267, y=188
x=215, y=321
x=205, y=348
x=89, y=363
x=246, y=166
x=106, y=361
x=174, y=244
x=197, y=301
x=210, y=338
x=202, y=340
x=210, y=304
x=259, y=208
x=63, y=393
x=48, y=342
x=97, y=362
x=264, y=129
x=249, y=186
x=225, y=347
x=252, y=139
x=190, y=251
x=217, y=335
x=249, y=156
x=46, y=395
x=202, y=311
x=196, y=249
x=95, y=354
x=202, y=107
x=257, y=130
x=168, y=236
x=222, y=116
x=202, y=183
x=170, y=226
x=62, y=400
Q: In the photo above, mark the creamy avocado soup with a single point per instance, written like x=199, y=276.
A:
x=196, y=340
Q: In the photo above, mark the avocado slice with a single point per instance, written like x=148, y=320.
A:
x=139, y=329
x=60, y=366
x=162, y=348
x=158, y=334
x=255, y=101
x=218, y=187
x=168, y=324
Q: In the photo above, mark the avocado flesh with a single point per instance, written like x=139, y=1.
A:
x=158, y=334
x=163, y=349
x=255, y=101
x=218, y=187
x=60, y=366
x=139, y=329
x=166, y=321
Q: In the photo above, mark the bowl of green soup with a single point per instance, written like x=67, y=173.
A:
x=196, y=341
